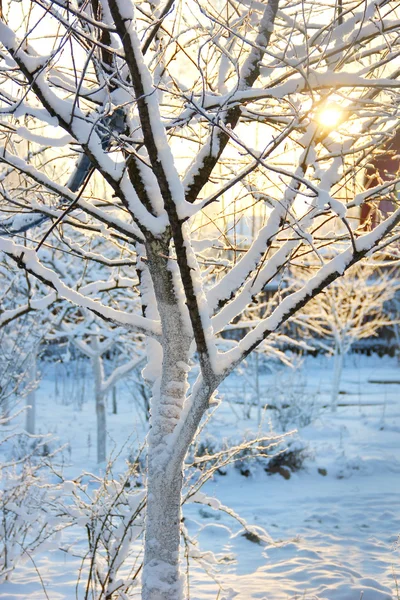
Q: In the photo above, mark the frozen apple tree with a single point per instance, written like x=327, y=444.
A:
x=95, y=340
x=216, y=144
x=352, y=308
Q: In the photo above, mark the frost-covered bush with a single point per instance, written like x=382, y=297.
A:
x=25, y=494
x=288, y=460
x=108, y=515
x=26, y=500
x=211, y=455
x=31, y=447
x=292, y=405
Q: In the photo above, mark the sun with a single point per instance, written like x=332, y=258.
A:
x=329, y=116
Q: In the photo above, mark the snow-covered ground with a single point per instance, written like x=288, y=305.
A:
x=334, y=526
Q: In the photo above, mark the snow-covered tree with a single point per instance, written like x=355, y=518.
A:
x=30, y=315
x=217, y=143
x=95, y=341
x=20, y=337
x=351, y=308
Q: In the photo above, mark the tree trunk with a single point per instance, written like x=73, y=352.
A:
x=4, y=404
x=337, y=376
x=100, y=398
x=161, y=575
x=162, y=579
x=114, y=400
x=31, y=397
x=101, y=427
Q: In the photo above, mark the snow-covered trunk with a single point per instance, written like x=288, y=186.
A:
x=30, y=421
x=100, y=398
x=161, y=575
x=337, y=376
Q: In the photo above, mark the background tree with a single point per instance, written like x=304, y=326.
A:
x=225, y=107
x=95, y=341
x=393, y=313
x=351, y=308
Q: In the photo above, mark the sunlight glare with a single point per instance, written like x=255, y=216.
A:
x=329, y=117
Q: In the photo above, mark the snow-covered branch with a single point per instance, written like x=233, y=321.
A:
x=28, y=259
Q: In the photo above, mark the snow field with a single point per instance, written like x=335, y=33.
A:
x=334, y=535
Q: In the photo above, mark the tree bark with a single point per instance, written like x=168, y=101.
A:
x=161, y=575
x=162, y=579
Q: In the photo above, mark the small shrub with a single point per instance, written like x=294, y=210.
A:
x=290, y=460
x=212, y=455
x=110, y=512
x=26, y=500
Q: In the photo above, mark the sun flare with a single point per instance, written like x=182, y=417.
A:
x=329, y=117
